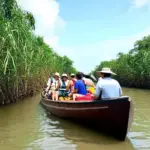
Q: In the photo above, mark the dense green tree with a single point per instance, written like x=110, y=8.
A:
x=30, y=19
x=133, y=68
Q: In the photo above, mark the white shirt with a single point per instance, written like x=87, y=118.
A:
x=109, y=87
x=66, y=82
x=49, y=82
x=100, y=78
x=54, y=83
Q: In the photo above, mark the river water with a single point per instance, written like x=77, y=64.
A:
x=26, y=126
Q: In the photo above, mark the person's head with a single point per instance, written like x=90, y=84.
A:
x=79, y=76
x=72, y=76
x=64, y=77
x=82, y=74
x=106, y=72
x=105, y=75
x=56, y=76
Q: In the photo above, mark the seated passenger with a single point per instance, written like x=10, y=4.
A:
x=49, y=81
x=79, y=87
x=53, y=84
x=88, y=82
x=73, y=79
x=106, y=86
x=65, y=86
x=72, y=82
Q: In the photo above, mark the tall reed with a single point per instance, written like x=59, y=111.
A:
x=25, y=59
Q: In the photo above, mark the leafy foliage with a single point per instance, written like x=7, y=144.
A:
x=25, y=59
x=133, y=68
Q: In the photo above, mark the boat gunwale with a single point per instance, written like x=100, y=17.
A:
x=122, y=99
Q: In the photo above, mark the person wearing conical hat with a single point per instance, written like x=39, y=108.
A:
x=107, y=87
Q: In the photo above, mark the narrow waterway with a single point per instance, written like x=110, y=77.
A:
x=26, y=126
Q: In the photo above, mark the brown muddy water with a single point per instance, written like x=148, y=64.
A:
x=26, y=126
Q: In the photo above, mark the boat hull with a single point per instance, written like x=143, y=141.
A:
x=109, y=116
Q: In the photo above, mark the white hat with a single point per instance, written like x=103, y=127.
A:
x=64, y=75
x=57, y=74
x=72, y=74
x=106, y=70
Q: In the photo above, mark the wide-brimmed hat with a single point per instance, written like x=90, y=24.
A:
x=106, y=70
x=57, y=74
x=64, y=75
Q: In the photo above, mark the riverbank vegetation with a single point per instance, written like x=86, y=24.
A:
x=133, y=68
x=25, y=59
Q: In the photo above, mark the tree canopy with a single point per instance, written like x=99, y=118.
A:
x=132, y=68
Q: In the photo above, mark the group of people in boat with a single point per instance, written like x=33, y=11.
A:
x=73, y=86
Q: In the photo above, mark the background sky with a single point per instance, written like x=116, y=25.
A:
x=90, y=31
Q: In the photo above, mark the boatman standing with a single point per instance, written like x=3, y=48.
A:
x=106, y=86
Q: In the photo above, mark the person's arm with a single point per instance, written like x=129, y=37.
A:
x=49, y=82
x=71, y=86
x=48, y=85
x=68, y=86
x=93, y=85
x=58, y=86
x=120, y=90
x=76, y=87
x=47, y=89
x=97, y=91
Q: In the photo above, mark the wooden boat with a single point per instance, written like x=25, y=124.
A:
x=113, y=116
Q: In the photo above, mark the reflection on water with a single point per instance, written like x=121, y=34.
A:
x=51, y=136
x=26, y=126
x=140, y=132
